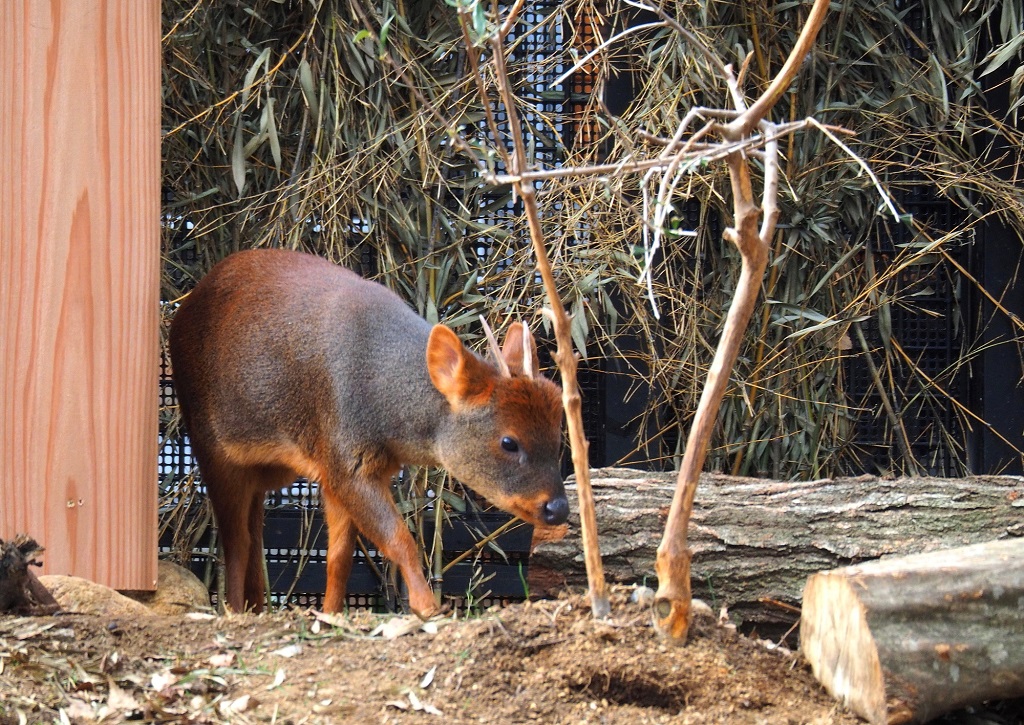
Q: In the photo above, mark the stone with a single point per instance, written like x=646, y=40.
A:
x=76, y=595
x=178, y=591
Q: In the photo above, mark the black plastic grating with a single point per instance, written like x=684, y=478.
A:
x=297, y=566
x=539, y=34
x=591, y=380
x=174, y=458
x=914, y=18
x=924, y=321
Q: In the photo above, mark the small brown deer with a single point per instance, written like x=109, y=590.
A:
x=287, y=365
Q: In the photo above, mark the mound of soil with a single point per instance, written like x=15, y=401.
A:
x=546, y=661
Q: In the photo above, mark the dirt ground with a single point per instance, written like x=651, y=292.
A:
x=545, y=661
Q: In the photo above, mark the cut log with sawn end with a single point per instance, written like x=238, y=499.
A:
x=906, y=639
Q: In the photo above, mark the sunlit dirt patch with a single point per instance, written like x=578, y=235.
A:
x=546, y=662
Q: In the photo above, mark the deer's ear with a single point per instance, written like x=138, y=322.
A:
x=459, y=375
x=520, y=351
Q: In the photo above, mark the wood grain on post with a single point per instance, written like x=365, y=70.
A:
x=79, y=283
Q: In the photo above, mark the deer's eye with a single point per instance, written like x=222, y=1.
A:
x=509, y=444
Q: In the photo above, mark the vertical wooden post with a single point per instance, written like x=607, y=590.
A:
x=79, y=283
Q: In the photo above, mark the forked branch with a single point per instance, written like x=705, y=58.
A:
x=742, y=134
x=673, y=598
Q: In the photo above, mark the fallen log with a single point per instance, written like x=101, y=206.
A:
x=904, y=640
x=756, y=541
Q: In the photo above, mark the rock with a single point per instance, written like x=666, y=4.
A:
x=81, y=596
x=178, y=591
x=644, y=596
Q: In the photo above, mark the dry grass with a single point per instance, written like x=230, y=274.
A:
x=288, y=124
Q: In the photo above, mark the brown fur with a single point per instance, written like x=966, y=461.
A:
x=287, y=365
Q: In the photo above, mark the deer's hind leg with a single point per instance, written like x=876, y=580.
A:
x=237, y=493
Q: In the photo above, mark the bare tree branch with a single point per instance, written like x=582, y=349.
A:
x=673, y=598
x=746, y=123
x=744, y=132
x=564, y=356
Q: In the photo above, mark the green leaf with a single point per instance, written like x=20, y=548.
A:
x=454, y=500
x=250, y=77
x=275, y=142
x=799, y=334
x=885, y=323
x=238, y=156
x=1001, y=56
x=479, y=22
x=307, y=85
x=578, y=328
x=385, y=29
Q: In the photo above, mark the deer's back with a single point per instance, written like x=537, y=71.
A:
x=280, y=348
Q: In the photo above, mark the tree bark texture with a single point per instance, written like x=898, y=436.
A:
x=756, y=541
x=905, y=639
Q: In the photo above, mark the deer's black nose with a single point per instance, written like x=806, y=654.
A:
x=556, y=511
